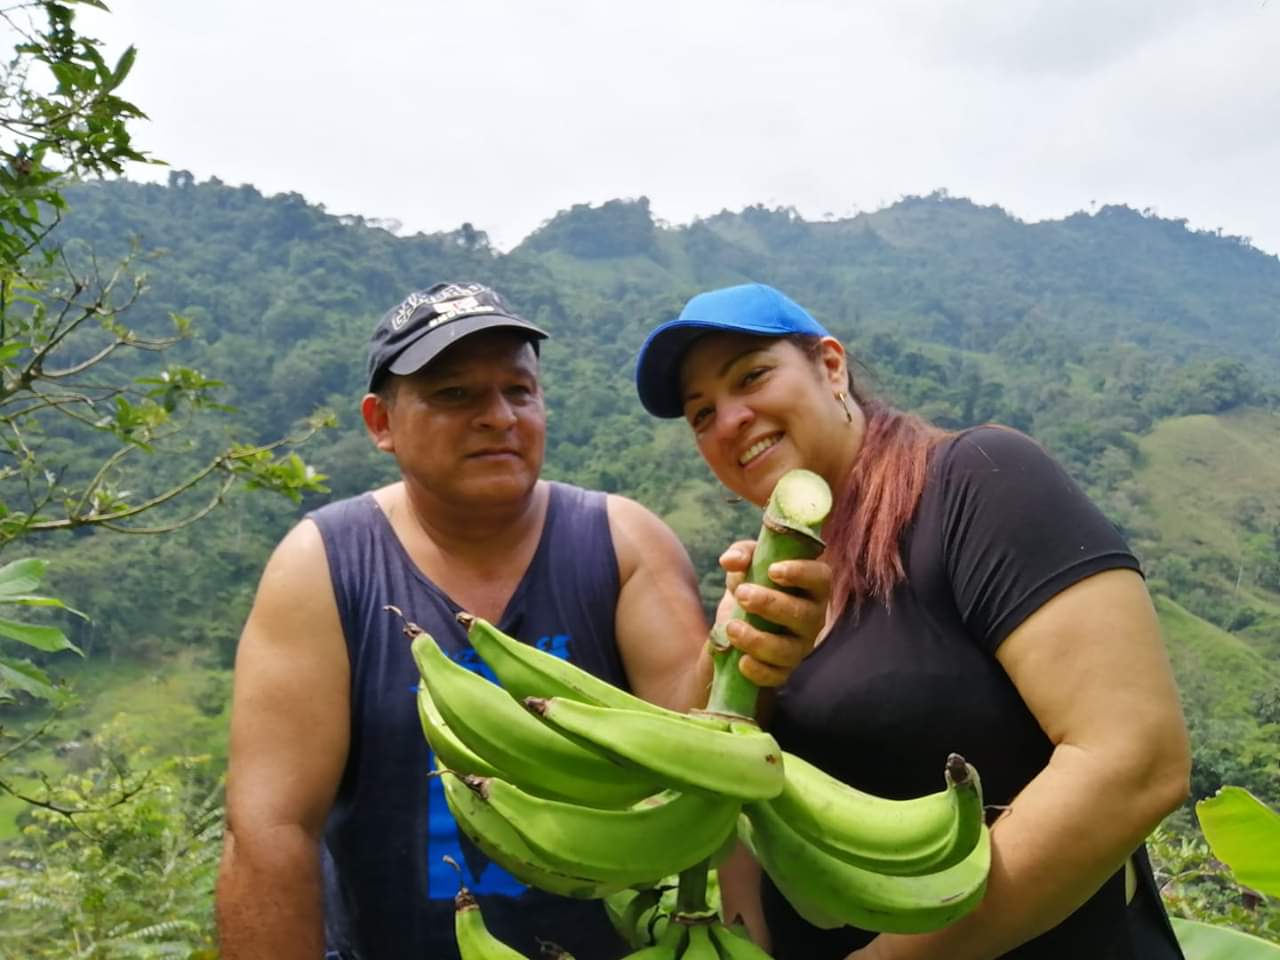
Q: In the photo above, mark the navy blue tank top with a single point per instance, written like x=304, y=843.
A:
x=388, y=894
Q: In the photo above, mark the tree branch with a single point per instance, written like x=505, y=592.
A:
x=110, y=462
x=70, y=813
x=221, y=462
x=204, y=511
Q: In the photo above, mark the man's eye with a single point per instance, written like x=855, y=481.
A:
x=451, y=394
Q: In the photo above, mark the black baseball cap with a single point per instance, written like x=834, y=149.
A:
x=414, y=332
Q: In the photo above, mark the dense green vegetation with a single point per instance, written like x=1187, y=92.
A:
x=956, y=308
x=161, y=346
x=1142, y=353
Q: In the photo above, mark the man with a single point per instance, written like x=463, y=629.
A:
x=335, y=832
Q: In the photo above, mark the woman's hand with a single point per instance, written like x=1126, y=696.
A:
x=769, y=658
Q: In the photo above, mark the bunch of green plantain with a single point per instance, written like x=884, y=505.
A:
x=553, y=810
x=581, y=789
x=578, y=787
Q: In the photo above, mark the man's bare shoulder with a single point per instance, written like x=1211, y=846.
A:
x=389, y=497
x=630, y=514
x=639, y=535
x=295, y=596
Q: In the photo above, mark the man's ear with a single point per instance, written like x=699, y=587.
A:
x=377, y=421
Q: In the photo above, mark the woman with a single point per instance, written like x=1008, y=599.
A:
x=981, y=604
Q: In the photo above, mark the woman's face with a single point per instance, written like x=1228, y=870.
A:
x=760, y=407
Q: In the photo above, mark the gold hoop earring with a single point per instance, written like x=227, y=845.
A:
x=843, y=399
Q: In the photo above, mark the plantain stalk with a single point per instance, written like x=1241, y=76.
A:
x=791, y=530
x=691, y=896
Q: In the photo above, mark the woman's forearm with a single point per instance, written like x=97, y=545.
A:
x=1065, y=834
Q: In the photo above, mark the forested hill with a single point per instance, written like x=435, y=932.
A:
x=1089, y=332
x=948, y=270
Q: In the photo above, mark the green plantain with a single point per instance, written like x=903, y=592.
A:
x=444, y=743
x=699, y=751
x=494, y=727
x=652, y=839
x=670, y=943
x=828, y=892
x=699, y=945
x=905, y=837
x=504, y=845
x=475, y=942
x=525, y=671
x=630, y=910
x=735, y=946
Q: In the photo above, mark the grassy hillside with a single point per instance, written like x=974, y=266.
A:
x=176, y=707
x=1203, y=470
x=1219, y=674
x=1213, y=488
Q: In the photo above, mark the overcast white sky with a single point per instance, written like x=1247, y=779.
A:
x=501, y=112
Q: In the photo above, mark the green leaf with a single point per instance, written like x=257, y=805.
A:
x=65, y=74
x=1245, y=835
x=21, y=577
x=49, y=639
x=1200, y=941
x=34, y=600
x=26, y=676
x=123, y=66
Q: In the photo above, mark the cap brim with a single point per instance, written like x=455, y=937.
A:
x=429, y=346
x=658, y=363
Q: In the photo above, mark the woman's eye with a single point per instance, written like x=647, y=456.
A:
x=755, y=373
x=698, y=419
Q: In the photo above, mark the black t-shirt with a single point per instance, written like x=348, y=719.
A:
x=895, y=688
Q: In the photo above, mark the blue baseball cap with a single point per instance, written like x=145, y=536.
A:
x=747, y=308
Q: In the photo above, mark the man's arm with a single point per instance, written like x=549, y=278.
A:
x=660, y=627
x=659, y=624
x=290, y=722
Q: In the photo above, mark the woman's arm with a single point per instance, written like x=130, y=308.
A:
x=1092, y=668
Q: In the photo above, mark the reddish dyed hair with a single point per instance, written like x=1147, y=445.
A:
x=864, y=533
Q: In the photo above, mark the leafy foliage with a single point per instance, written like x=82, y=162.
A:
x=75, y=408
x=118, y=863
x=18, y=582
x=1245, y=835
x=1197, y=886
x=67, y=124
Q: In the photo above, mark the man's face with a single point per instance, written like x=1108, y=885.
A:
x=470, y=427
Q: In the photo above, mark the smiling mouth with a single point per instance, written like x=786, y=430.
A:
x=757, y=448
